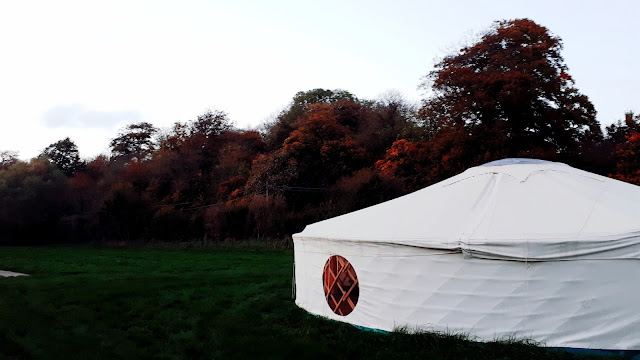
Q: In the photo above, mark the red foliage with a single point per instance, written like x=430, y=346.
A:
x=397, y=159
x=232, y=188
x=511, y=96
x=323, y=149
x=628, y=156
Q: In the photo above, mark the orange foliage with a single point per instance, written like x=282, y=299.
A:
x=399, y=155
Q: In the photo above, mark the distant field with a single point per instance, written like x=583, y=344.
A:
x=114, y=303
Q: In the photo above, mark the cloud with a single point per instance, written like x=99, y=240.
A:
x=79, y=116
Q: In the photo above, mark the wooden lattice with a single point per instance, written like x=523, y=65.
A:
x=341, y=287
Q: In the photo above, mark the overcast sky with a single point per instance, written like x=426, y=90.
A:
x=84, y=69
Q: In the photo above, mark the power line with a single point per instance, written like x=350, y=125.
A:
x=281, y=188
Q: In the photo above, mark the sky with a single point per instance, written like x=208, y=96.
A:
x=84, y=69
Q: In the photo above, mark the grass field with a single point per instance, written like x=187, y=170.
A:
x=141, y=303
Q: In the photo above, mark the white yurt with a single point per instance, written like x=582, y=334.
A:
x=517, y=247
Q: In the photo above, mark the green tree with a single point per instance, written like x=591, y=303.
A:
x=134, y=141
x=211, y=123
x=64, y=154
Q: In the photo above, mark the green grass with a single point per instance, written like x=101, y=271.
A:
x=142, y=303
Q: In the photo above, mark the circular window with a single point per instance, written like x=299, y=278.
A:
x=341, y=289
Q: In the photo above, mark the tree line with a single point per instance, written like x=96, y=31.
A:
x=328, y=153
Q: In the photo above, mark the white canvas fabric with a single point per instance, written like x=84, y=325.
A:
x=519, y=247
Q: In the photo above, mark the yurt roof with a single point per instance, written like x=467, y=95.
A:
x=519, y=209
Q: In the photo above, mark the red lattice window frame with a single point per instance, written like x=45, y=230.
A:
x=340, y=282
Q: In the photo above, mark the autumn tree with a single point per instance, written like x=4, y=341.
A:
x=388, y=119
x=8, y=158
x=599, y=155
x=266, y=211
x=134, y=141
x=509, y=95
x=89, y=186
x=628, y=164
x=125, y=214
x=206, y=138
x=197, y=143
x=211, y=123
x=280, y=129
x=318, y=152
x=406, y=160
x=421, y=163
x=270, y=172
x=173, y=138
x=617, y=132
x=323, y=149
x=64, y=154
x=627, y=151
x=364, y=188
x=238, y=152
x=33, y=199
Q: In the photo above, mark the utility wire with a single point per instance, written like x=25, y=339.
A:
x=281, y=188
